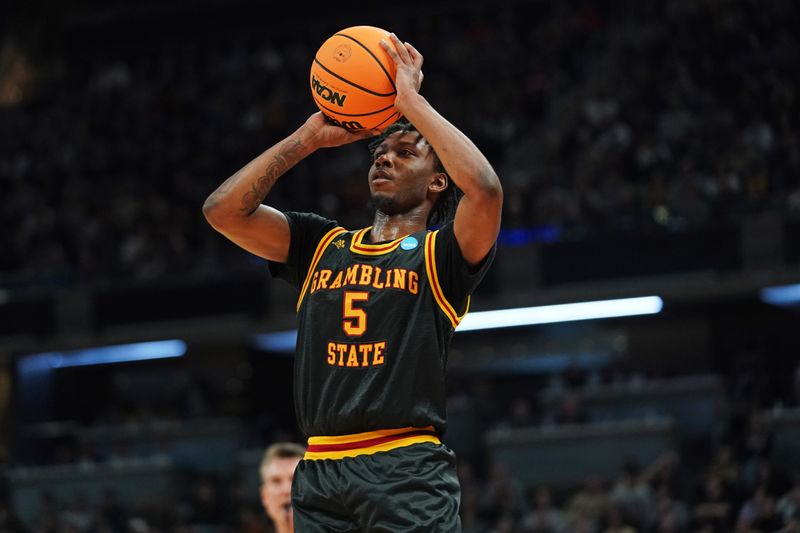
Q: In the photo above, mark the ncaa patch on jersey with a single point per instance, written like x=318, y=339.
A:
x=409, y=243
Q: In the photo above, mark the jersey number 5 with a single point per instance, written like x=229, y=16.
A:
x=354, y=322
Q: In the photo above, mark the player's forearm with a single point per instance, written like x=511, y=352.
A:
x=241, y=194
x=464, y=162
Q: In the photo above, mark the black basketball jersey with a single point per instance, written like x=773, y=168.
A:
x=374, y=324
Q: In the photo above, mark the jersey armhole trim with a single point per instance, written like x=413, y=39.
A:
x=436, y=288
x=323, y=243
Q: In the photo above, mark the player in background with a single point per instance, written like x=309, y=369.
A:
x=277, y=470
x=376, y=312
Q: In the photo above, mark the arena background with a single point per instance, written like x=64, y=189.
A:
x=646, y=148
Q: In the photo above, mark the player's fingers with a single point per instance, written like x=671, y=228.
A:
x=416, y=57
x=366, y=134
x=391, y=51
x=401, y=50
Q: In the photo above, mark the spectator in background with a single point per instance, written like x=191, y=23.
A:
x=79, y=514
x=574, y=375
x=767, y=518
x=755, y=447
x=772, y=478
x=588, y=504
x=666, y=478
x=631, y=495
x=671, y=515
x=714, y=508
x=47, y=516
x=521, y=413
x=470, y=499
x=209, y=509
x=503, y=495
x=112, y=513
x=792, y=524
x=277, y=471
x=571, y=409
x=789, y=503
x=759, y=513
x=725, y=467
x=543, y=517
x=615, y=521
x=633, y=492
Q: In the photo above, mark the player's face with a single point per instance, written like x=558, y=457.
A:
x=401, y=171
x=276, y=488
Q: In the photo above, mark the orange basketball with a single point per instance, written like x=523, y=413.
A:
x=352, y=79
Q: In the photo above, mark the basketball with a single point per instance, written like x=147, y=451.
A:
x=352, y=79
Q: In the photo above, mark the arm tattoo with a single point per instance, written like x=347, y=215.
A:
x=288, y=156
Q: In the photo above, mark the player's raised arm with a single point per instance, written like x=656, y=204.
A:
x=235, y=208
x=477, y=220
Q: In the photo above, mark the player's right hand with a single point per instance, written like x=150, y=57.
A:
x=325, y=134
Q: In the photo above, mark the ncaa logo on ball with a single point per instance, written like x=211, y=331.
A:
x=326, y=93
x=342, y=53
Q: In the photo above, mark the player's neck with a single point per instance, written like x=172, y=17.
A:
x=390, y=227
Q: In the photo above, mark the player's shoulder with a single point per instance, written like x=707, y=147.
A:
x=311, y=229
x=310, y=223
x=309, y=219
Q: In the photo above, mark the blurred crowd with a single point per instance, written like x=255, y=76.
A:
x=727, y=481
x=209, y=507
x=653, y=499
x=727, y=497
x=599, y=117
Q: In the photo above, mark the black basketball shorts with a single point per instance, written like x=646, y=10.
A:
x=388, y=481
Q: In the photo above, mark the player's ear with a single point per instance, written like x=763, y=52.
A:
x=439, y=182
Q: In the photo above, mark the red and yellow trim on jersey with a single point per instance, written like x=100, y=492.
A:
x=381, y=440
x=433, y=278
x=321, y=246
x=358, y=245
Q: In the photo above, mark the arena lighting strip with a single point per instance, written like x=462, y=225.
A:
x=781, y=295
x=284, y=341
x=549, y=314
x=101, y=355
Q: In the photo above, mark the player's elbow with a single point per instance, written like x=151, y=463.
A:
x=215, y=214
x=489, y=189
x=487, y=196
x=210, y=211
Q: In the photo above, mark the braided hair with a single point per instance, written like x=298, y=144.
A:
x=444, y=210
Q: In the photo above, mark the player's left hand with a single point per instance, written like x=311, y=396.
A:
x=408, y=61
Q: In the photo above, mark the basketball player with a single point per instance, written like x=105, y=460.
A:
x=277, y=470
x=376, y=311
